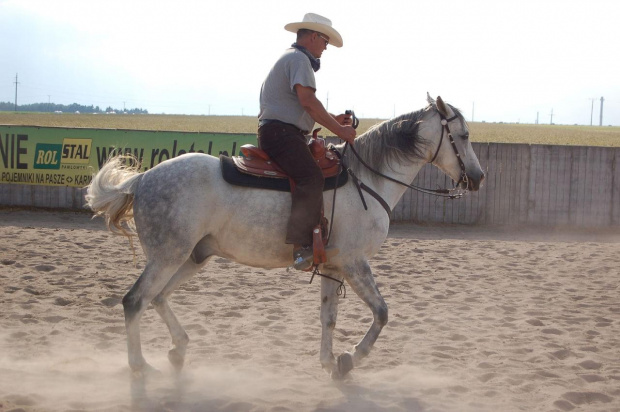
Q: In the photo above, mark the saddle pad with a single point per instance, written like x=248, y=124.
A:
x=232, y=175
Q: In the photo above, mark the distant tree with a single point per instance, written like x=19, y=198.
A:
x=71, y=108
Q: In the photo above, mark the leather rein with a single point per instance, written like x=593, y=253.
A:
x=446, y=193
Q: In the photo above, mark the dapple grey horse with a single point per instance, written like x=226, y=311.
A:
x=184, y=213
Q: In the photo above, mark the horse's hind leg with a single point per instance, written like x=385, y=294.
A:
x=329, y=313
x=151, y=282
x=363, y=284
x=176, y=355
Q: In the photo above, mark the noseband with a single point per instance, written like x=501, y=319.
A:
x=445, y=128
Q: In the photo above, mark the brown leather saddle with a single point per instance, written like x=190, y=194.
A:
x=257, y=163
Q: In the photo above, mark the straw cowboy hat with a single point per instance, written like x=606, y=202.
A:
x=318, y=23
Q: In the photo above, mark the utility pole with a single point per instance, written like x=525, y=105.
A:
x=592, y=110
x=601, y=121
x=551, y=117
x=327, y=103
x=473, y=105
x=16, y=83
x=537, y=113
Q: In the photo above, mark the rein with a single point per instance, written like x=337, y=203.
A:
x=446, y=193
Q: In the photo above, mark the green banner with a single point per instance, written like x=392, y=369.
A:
x=68, y=157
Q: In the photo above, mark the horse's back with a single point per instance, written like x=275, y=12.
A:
x=189, y=162
x=177, y=174
x=174, y=195
x=185, y=200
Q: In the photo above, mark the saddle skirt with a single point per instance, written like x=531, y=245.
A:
x=254, y=169
x=257, y=163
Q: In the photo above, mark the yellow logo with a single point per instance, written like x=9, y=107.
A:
x=76, y=150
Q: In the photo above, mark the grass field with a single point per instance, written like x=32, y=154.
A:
x=480, y=132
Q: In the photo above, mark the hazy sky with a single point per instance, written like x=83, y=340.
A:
x=496, y=60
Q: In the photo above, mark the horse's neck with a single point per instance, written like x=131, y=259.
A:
x=390, y=191
x=372, y=147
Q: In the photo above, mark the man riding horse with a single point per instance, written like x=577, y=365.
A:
x=288, y=110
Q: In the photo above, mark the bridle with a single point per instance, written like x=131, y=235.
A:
x=445, y=128
x=454, y=193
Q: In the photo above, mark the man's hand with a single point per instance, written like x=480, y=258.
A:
x=314, y=107
x=347, y=133
x=344, y=119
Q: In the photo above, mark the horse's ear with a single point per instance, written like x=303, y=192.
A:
x=442, y=107
x=430, y=100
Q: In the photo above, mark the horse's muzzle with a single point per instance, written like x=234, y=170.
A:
x=472, y=183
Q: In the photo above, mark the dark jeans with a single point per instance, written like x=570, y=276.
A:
x=286, y=145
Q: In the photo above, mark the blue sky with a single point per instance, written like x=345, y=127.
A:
x=496, y=60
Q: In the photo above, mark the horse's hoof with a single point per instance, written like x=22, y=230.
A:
x=345, y=365
x=176, y=359
x=144, y=371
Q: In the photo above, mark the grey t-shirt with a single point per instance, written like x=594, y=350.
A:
x=278, y=99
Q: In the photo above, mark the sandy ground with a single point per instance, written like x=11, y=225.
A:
x=481, y=319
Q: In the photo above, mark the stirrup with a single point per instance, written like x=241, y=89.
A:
x=303, y=258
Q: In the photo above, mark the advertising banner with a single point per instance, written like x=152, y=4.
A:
x=69, y=157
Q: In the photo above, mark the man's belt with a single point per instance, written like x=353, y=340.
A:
x=265, y=122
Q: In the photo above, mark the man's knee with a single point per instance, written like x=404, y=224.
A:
x=312, y=185
x=318, y=180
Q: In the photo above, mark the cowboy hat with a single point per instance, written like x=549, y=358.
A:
x=318, y=23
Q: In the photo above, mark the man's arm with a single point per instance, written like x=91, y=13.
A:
x=315, y=109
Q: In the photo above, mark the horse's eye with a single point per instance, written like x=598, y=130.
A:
x=466, y=136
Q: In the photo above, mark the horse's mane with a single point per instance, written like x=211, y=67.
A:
x=397, y=140
x=392, y=140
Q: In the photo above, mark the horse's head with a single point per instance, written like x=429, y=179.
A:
x=450, y=148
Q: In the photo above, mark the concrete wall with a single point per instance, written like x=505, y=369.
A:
x=57, y=197
x=539, y=185
x=526, y=185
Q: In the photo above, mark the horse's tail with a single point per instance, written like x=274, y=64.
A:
x=111, y=193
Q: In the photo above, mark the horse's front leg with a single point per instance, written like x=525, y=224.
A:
x=362, y=282
x=329, y=313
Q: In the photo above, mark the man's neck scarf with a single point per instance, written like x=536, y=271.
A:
x=314, y=62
